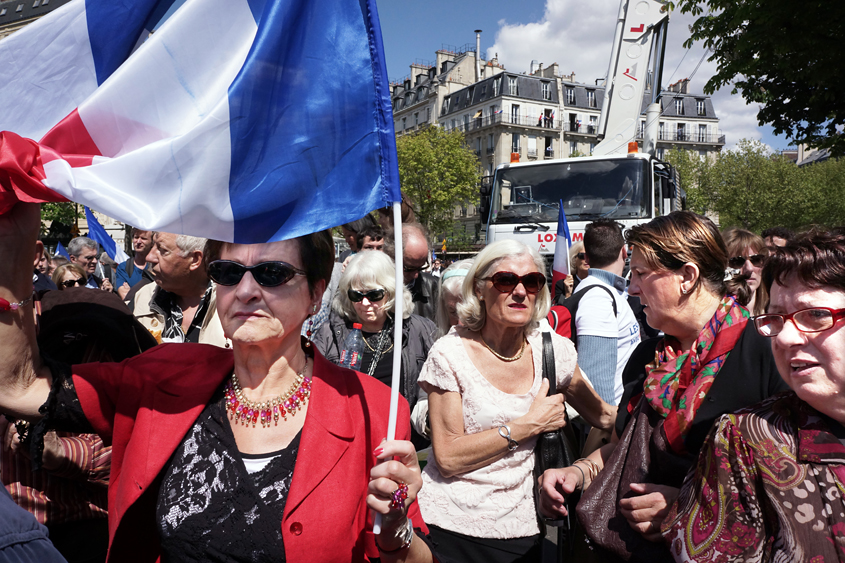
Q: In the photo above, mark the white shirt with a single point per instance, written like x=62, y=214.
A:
x=495, y=501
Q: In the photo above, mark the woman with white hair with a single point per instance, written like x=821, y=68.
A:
x=449, y=295
x=488, y=403
x=367, y=294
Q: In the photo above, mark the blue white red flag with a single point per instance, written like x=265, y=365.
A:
x=560, y=267
x=238, y=120
x=97, y=233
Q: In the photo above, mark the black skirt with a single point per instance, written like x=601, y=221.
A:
x=452, y=547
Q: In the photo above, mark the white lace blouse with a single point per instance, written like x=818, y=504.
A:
x=496, y=501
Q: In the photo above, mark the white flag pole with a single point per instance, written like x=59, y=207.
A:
x=397, y=334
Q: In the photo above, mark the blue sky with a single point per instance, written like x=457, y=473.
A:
x=576, y=34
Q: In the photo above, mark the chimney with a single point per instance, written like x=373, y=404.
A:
x=477, y=55
x=685, y=86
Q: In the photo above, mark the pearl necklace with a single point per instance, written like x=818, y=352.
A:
x=505, y=358
x=243, y=410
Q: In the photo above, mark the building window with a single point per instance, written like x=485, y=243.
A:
x=454, y=124
x=497, y=86
x=19, y=8
x=513, y=90
x=3, y=12
x=660, y=153
x=573, y=148
x=515, y=114
x=416, y=118
x=591, y=98
x=592, y=147
x=660, y=131
x=515, y=143
x=570, y=96
x=702, y=155
x=547, y=91
x=700, y=108
x=445, y=105
x=682, y=132
x=466, y=122
x=642, y=130
x=404, y=123
x=679, y=106
x=470, y=95
x=428, y=114
x=35, y=4
x=490, y=142
x=483, y=90
x=594, y=125
x=494, y=114
x=702, y=133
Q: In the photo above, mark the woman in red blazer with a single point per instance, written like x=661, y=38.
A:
x=263, y=453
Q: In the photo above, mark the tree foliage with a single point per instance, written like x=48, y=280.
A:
x=64, y=213
x=782, y=54
x=753, y=188
x=438, y=170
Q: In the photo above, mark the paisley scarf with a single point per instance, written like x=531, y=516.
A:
x=676, y=384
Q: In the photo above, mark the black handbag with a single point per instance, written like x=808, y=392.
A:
x=555, y=450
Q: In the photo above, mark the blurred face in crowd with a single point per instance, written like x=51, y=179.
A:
x=349, y=236
x=87, y=260
x=415, y=257
x=372, y=244
x=142, y=242
x=659, y=291
x=71, y=279
x=753, y=272
x=43, y=264
x=452, y=301
x=170, y=268
x=582, y=268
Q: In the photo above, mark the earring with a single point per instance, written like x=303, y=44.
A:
x=684, y=291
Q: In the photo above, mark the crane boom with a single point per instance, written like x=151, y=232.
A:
x=640, y=27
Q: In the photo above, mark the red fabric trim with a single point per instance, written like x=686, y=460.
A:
x=71, y=137
x=22, y=173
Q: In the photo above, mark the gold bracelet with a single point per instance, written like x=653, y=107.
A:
x=592, y=466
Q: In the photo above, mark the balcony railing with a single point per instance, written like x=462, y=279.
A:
x=491, y=150
x=582, y=129
x=548, y=154
x=532, y=153
x=501, y=118
x=683, y=137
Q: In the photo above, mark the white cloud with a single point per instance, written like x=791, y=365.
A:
x=579, y=36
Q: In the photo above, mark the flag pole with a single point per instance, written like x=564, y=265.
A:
x=397, y=334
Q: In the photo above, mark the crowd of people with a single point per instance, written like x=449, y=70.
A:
x=189, y=404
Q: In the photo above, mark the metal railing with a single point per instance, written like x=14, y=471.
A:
x=540, y=122
x=582, y=129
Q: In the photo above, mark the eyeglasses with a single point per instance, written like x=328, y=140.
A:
x=267, y=274
x=373, y=296
x=506, y=282
x=418, y=269
x=756, y=260
x=67, y=284
x=580, y=256
x=815, y=319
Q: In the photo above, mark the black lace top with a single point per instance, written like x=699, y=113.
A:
x=209, y=507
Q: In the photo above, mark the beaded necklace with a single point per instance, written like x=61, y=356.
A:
x=243, y=410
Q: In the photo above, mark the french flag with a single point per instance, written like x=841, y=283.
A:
x=560, y=266
x=238, y=120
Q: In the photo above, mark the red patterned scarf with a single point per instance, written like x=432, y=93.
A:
x=676, y=384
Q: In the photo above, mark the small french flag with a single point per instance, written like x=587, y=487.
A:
x=560, y=267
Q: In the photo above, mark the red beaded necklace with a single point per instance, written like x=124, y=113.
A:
x=243, y=410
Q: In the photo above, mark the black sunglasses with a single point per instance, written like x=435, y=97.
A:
x=373, y=296
x=756, y=260
x=580, y=256
x=267, y=274
x=70, y=283
x=506, y=282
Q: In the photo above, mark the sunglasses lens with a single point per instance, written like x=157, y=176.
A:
x=226, y=273
x=504, y=281
x=375, y=295
x=355, y=296
x=271, y=274
x=757, y=260
x=533, y=282
x=736, y=262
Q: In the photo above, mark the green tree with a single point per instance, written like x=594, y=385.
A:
x=438, y=170
x=782, y=54
x=65, y=213
x=753, y=188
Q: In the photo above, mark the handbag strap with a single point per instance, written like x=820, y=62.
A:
x=549, y=363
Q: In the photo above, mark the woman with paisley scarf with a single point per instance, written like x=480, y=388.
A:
x=711, y=361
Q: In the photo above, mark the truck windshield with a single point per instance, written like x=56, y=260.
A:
x=589, y=189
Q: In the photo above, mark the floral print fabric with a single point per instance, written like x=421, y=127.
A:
x=768, y=487
x=676, y=384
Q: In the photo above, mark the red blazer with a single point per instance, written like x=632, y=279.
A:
x=145, y=406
